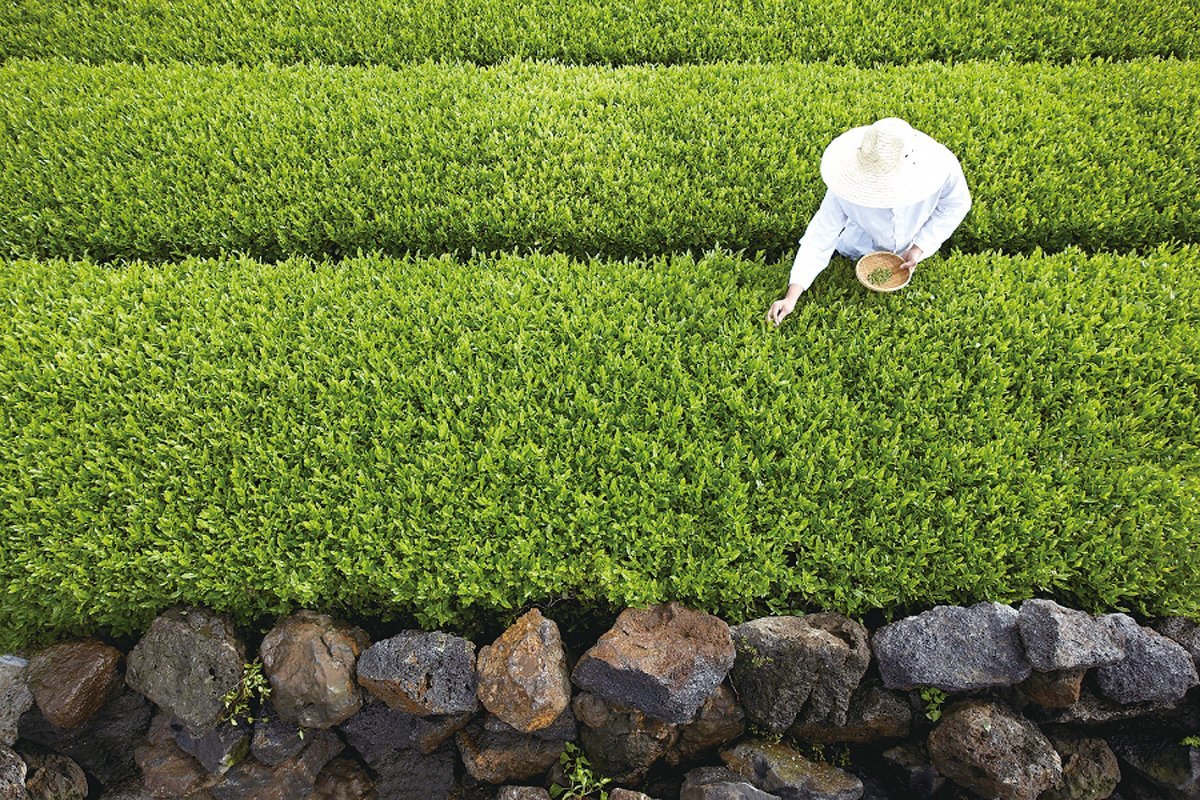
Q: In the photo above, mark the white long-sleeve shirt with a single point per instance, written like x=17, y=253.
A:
x=855, y=230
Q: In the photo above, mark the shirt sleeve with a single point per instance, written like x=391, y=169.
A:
x=953, y=203
x=818, y=243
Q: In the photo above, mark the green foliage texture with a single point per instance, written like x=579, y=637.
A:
x=393, y=32
x=462, y=437
x=162, y=162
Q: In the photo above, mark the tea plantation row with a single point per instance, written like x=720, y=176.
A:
x=170, y=161
x=393, y=32
x=460, y=438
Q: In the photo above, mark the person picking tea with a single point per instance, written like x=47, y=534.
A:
x=889, y=187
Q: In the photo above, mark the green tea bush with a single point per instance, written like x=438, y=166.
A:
x=170, y=161
x=393, y=32
x=458, y=439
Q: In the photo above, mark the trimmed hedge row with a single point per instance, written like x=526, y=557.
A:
x=452, y=438
x=170, y=161
x=863, y=32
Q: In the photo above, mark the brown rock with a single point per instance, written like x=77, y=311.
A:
x=719, y=720
x=989, y=749
x=1054, y=689
x=1090, y=769
x=344, y=779
x=523, y=677
x=502, y=757
x=874, y=714
x=664, y=661
x=54, y=777
x=309, y=659
x=167, y=771
x=73, y=680
x=620, y=742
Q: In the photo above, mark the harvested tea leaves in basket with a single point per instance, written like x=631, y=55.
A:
x=879, y=276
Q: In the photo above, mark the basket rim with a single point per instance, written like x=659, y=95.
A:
x=869, y=261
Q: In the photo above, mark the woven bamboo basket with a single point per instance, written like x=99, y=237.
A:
x=871, y=265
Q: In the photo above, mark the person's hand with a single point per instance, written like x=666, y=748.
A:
x=780, y=309
x=911, y=256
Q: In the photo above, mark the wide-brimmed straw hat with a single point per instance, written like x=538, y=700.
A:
x=885, y=165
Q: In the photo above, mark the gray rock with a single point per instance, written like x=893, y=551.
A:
x=344, y=779
x=15, y=697
x=71, y=681
x=104, y=745
x=989, y=749
x=416, y=776
x=309, y=658
x=379, y=734
x=664, y=661
x=186, y=663
x=1171, y=768
x=627, y=794
x=621, y=742
x=789, y=665
x=719, y=721
x=523, y=793
x=954, y=649
x=875, y=714
x=1155, y=669
x=218, y=750
x=496, y=757
x=719, y=783
x=422, y=673
x=781, y=770
x=1183, y=632
x=294, y=778
x=12, y=775
x=275, y=741
x=54, y=777
x=1058, y=638
x=1090, y=769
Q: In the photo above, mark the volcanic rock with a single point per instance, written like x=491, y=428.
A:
x=422, y=673
x=309, y=658
x=620, y=742
x=185, y=664
x=781, y=770
x=720, y=783
x=875, y=714
x=523, y=675
x=993, y=751
x=954, y=649
x=719, y=720
x=73, y=680
x=503, y=757
x=15, y=697
x=664, y=661
x=1058, y=638
x=1155, y=668
x=1090, y=769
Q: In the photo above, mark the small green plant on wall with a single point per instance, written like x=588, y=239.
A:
x=1191, y=741
x=582, y=782
x=253, y=686
x=934, y=698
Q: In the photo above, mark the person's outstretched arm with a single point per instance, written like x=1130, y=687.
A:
x=816, y=248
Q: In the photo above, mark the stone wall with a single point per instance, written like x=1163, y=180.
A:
x=988, y=701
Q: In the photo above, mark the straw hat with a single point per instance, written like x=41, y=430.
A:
x=885, y=165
